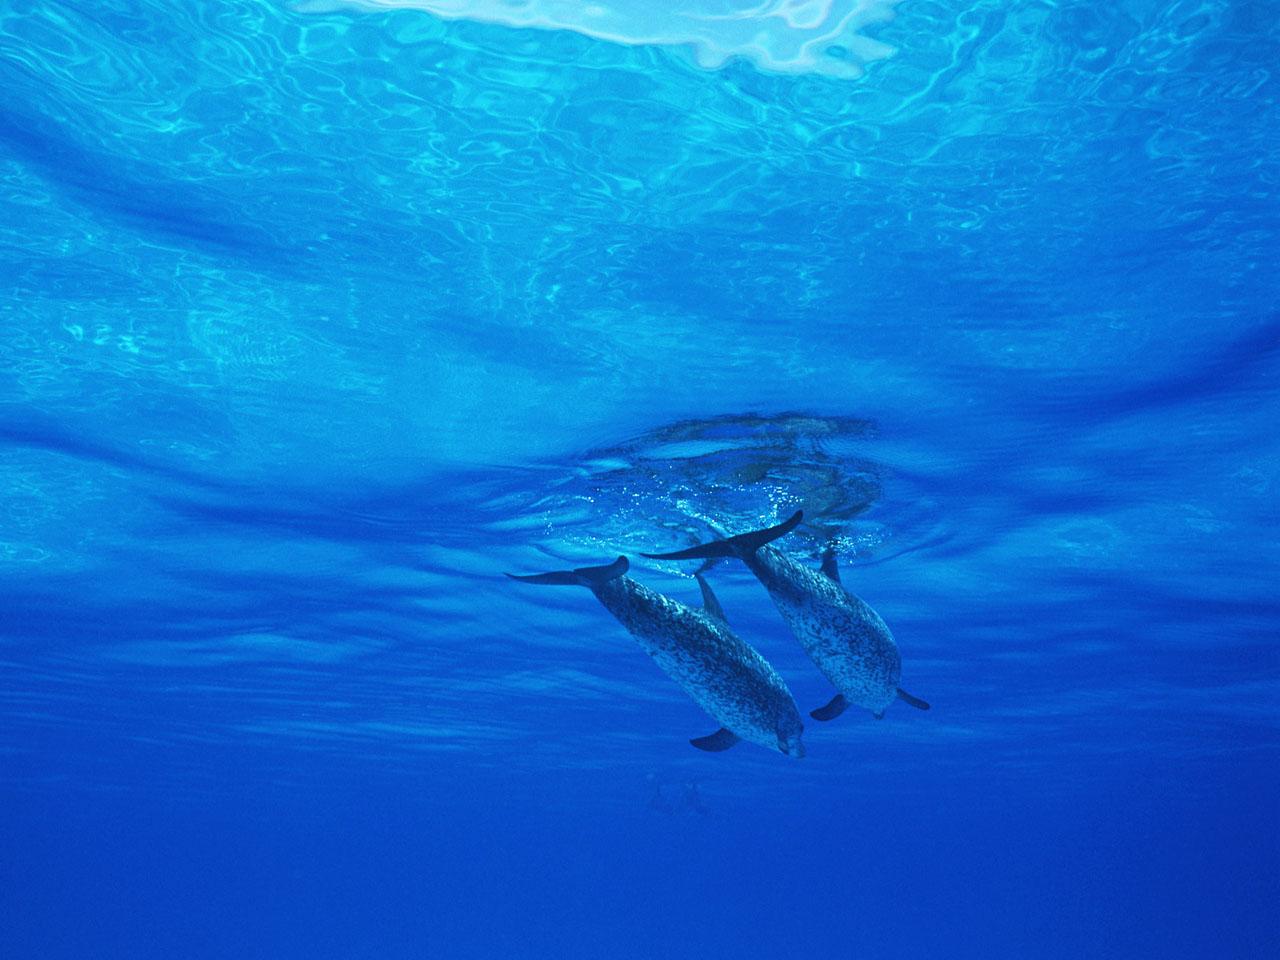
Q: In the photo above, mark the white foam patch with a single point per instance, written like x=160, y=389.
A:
x=784, y=36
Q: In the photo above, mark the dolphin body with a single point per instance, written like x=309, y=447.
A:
x=843, y=636
x=723, y=674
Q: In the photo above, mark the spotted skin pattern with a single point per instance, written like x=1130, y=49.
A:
x=843, y=636
x=724, y=675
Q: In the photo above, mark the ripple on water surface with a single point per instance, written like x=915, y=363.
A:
x=669, y=486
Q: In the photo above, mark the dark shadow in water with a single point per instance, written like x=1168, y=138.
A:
x=1227, y=368
x=140, y=199
x=675, y=797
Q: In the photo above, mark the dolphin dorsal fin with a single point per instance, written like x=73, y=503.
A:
x=722, y=739
x=829, y=565
x=709, y=601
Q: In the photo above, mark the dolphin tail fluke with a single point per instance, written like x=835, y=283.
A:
x=582, y=577
x=722, y=739
x=913, y=701
x=741, y=545
x=837, y=706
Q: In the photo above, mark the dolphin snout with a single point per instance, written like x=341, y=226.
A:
x=792, y=746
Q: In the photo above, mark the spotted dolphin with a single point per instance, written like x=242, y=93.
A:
x=847, y=640
x=724, y=675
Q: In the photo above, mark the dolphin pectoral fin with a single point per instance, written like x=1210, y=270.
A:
x=722, y=739
x=829, y=566
x=709, y=601
x=583, y=576
x=743, y=543
x=913, y=701
x=837, y=706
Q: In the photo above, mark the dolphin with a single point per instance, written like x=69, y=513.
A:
x=723, y=674
x=843, y=636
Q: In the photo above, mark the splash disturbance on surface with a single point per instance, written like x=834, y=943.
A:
x=674, y=484
x=785, y=36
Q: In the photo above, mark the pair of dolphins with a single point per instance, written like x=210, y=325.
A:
x=724, y=674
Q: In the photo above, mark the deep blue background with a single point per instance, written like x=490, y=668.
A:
x=313, y=324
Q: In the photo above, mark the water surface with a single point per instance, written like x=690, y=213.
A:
x=316, y=322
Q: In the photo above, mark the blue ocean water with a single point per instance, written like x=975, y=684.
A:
x=316, y=321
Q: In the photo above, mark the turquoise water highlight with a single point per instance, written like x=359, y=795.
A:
x=317, y=322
